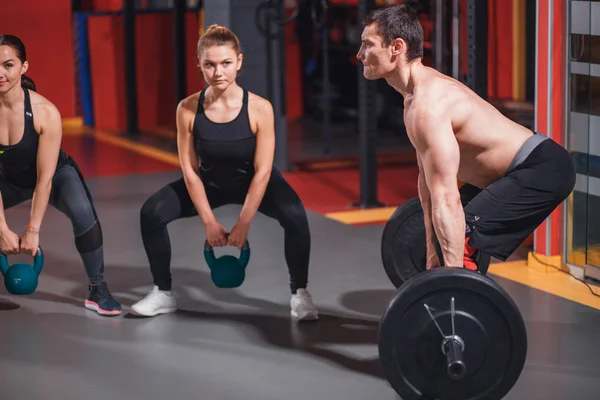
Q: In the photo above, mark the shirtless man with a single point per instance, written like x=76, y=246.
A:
x=514, y=178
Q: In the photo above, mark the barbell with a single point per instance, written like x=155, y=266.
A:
x=448, y=333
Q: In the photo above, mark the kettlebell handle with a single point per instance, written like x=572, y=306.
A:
x=209, y=254
x=208, y=247
x=39, y=253
x=38, y=261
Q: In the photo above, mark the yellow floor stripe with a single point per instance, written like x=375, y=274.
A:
x=362, y=216
x=74, y=132
x=163, y=131
x=551, y=281
x=73, y=126
x=139, y=148
x=542, y=262
x=72, y=123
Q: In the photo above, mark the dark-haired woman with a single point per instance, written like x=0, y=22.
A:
x=33, y=166
x=226, y=144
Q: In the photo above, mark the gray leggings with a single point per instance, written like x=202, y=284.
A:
x=70, y=196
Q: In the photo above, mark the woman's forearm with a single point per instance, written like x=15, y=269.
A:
x=197, y=193
x=39, y=204
x=256, y=192
x=3, y=222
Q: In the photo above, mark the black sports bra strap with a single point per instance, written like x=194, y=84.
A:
x=27, y=102
x=29, y=127
x=245, y=99
x=200, y=108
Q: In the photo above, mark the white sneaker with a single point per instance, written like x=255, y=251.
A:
x=156, y=302
x=303, y=307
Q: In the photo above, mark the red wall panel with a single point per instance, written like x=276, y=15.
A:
x=106, y=66
x=500, y=49
x=155, y=62
x=45, y=29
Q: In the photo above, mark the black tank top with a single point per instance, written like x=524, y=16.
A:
x=226, y=150
x=18, y=162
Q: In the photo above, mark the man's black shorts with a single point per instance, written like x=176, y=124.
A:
x=500, y=217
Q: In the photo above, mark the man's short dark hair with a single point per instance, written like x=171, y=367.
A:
x=398, y=22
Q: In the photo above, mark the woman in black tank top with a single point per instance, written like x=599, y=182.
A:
x=226, y=144
x=30, y=142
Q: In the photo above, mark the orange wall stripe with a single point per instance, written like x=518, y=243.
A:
x=558, y=109
x=463, y=37
x=518, y=54
x=541, y=104
x=558, y=71
x=492, y=53
x=201, y=22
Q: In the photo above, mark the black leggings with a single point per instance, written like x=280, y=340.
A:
x=70, y=196
x=173, y=202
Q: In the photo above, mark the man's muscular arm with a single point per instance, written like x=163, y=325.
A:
x=440, y=157
x=425, y=198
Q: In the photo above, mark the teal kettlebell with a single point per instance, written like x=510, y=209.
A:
x=22, y=278
x=227, y=271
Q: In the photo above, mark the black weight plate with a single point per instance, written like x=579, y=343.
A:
x=403, y=244
x=487, y=319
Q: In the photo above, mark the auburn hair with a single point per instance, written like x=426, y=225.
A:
x=218, y=35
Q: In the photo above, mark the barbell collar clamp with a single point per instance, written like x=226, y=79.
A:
x=453, y=347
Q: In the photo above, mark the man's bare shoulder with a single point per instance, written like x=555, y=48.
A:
x=440, y=97
x=438, y=87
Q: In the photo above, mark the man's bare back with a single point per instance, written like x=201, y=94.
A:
x=488, y=141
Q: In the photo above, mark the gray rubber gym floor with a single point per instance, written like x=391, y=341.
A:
x=239, y=344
